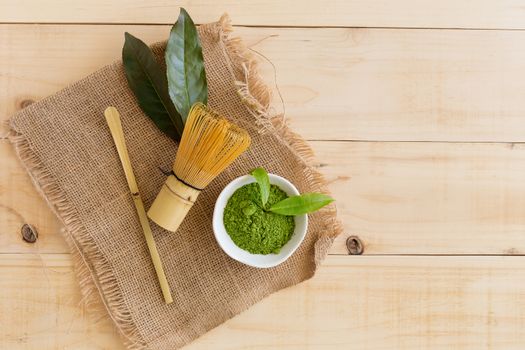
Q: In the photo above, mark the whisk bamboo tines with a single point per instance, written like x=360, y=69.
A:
x=208, y=145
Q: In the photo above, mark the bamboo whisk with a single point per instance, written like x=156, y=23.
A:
x=208, y=145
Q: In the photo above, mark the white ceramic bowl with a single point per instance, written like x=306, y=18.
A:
x=256, y=260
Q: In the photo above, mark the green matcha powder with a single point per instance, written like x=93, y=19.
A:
x=253, y=229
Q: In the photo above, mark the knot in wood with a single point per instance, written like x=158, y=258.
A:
x=26, y=102
x=354, y=245
x=29, y=233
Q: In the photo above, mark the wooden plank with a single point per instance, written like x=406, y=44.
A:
x=376, y=302
x=41, y=307
x=398, y=197
x=337, y=84
x=428, y=198
x=353, y=13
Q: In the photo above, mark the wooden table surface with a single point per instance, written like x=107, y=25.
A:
x=416, y=110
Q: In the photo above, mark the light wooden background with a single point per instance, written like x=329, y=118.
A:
x=416, y=109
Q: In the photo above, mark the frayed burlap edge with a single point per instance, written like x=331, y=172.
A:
x=96, y=279
x=256, y=95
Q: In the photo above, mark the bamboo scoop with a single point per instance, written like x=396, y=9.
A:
x=113, y=120
x=208, y=145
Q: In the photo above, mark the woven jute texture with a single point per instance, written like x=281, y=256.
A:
x=65, y=145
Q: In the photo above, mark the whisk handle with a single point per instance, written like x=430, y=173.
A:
x=173, y=202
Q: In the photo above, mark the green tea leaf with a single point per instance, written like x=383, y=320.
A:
x=149, y=84
x=185, y=65
x=264, y=183
x=302, y=204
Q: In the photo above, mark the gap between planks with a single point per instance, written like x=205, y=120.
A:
x=4, y=139
x=364, y=255
x=277, y=26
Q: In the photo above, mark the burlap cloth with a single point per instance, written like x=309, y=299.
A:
x=66, y=147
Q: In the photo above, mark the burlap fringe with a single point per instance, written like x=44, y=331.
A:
x=256, y=95
x=97, y=282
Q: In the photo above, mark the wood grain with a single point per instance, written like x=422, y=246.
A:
x=355, y=84
x=398, y=197
x=508, y=14
x=375, y=302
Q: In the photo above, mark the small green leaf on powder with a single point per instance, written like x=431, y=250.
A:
x=302, y=204
x=264, y=183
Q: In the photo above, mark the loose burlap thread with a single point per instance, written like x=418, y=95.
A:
x=67, y=149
